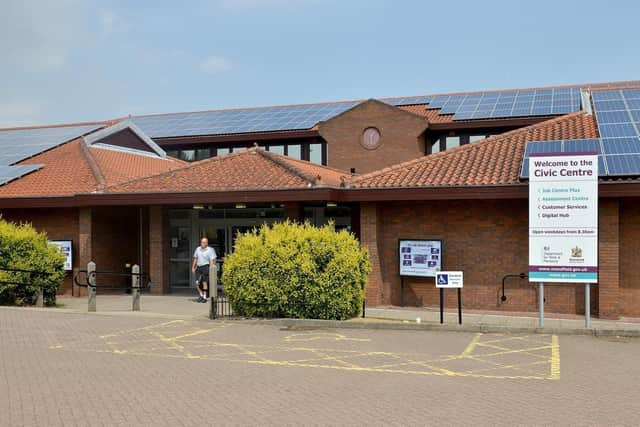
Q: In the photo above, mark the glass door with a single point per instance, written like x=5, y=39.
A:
x=180, y=256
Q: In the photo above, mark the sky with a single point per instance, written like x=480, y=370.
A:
x=80, y=60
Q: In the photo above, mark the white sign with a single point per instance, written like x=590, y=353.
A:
x=420, y=258
x=449, y=279
x=66, y=246
x=563, y=218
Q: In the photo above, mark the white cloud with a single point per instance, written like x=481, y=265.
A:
x=215, y=64
x=39, y=35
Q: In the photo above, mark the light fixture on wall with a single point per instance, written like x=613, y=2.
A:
x=240, y=206
x=198, y=207
x=332, y=204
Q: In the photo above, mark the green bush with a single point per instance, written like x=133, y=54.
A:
x=296, y=270
x=23, y=248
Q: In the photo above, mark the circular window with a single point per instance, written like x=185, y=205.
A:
x=371, y=138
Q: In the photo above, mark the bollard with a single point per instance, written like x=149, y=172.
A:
x=135, y=287
x=40, y=300
x=91, y=289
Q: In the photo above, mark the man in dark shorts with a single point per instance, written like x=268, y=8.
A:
x=203, y=259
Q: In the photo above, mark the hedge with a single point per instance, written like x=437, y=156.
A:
x=24, y=248
x=296, y=270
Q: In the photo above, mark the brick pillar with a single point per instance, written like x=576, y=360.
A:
x=369, y=239
x=609, y=259
x=158, y=250
x=85, y=244
x=293, y=211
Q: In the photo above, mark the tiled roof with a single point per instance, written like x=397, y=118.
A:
x=65, y=173
x=74, y=168
x=251, y=169
x=433, y=115
x=492, y=161
x=118, y=166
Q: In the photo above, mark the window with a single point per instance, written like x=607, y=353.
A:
x=435, y=147
x=474, y=138
x=315, y=153
x=295, y=151
x=452, y=142
x=222, y=151
x=278, y=149
x=188, y=155
x=173, y=153
x=203, y=153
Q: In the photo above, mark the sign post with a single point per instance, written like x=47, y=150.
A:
x=450, y=279
x=563, y=222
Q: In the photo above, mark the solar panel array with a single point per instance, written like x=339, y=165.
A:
x=618, y=116
x=563, y=146
x=268, y=119
x=515, y=103
x=20, y=144
x=408, y=100
x=9, y=173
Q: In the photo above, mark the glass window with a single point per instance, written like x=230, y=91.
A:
x=203, y=153
x=315, y=153
x=188, y=155
x=474, y=138
x=278, y=149
x=222, y=151
x=435, y=147
x=294, y=150
x=172, y=153
x=452, y=142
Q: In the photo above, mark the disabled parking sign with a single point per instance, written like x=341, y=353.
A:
x=449, y=279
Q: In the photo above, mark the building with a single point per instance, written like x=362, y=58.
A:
x=143, y=189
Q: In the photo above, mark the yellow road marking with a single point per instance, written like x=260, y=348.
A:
x=472, y=345
x=555, y=358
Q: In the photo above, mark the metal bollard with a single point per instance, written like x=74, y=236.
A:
x=135, y=287
x=91, y=289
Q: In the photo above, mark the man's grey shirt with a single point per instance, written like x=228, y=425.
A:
x=204, y=256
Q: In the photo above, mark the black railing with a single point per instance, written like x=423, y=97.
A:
x=221, y=307
x=521, y=276
x=143, y=284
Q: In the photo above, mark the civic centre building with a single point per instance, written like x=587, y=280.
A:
x=143, y=189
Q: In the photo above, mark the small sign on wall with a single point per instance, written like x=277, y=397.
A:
x=449, y=279
x=66, y=246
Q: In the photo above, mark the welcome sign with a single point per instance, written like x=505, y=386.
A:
x=563, y=218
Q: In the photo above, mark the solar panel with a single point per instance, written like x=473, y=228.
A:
x=564, y=146
x=623, y=165
x=613, y=146
x=409, y=100
x=20, y=144
x=9, y=173
x=295, y=117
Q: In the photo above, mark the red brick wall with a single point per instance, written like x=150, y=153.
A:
x=369, y=239
x=485, y=239
x=159, y=249
x=401, y=137
x=629, y=262
x=59, y=224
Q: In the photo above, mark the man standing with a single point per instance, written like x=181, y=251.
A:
x=203, y=258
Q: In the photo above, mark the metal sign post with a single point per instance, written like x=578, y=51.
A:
x=541, y=305
x=450, y=279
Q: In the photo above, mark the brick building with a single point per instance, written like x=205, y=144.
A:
x=144, y=189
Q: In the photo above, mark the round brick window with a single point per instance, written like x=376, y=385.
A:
x=371, y=138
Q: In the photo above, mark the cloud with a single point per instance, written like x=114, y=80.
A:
x=215, y=64
x=39, y=35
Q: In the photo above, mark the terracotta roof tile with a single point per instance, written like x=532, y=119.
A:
x=251, y=169
x=65, y=172
x=118, y=166
x=492, y=161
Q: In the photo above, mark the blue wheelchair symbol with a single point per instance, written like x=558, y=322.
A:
x=443, y=279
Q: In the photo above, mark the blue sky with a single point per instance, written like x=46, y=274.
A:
x=75, y=60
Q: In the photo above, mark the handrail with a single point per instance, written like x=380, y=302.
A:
x=143, y=278
x=521, y=276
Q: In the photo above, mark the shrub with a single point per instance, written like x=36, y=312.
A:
x=296, y=270
x=22, y=247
